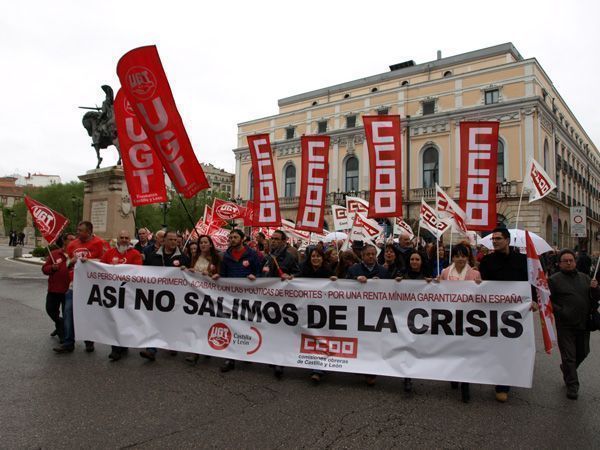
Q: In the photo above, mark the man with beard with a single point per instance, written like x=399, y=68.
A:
x=123, y=253
x=574, y=296
x=279, y=263
x=168, y=255
x=239, y=261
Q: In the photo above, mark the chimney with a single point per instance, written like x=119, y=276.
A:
x=439, y=54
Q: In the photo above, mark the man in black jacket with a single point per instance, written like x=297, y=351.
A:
x=503, y=264
x=368, y=267
x=573, y=297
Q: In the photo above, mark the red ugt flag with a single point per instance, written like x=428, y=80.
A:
x=49, y=222
x=143, y=171
x=145, y=84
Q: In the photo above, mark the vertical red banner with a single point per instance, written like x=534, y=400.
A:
x=478, y=167
x=145, y=85
x=313, y=187
x=266, y=202
x=385, y=165
x=143, y=171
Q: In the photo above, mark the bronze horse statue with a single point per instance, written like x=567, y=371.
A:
x=101, y=127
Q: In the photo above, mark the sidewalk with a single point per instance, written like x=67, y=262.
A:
x=26, y=258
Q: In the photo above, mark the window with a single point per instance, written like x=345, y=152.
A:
x=290, y=180
x=430, y=167
x=251, y=185
x=374, y=90
x=428, y=107
x=350, y=121
x=447, y=73
x=404, y=83
x=382, y=111
x=546, y=156
x=492, y=96
x=352, y=174
x=346, y=95
x=315, y=103
x=289, y=132
x=500, y=164
x=322, y=126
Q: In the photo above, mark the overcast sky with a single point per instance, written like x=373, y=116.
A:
x=229, y=62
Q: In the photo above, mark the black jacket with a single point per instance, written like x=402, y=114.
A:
x=502, y=267
x=175, y=259
x=572, y=299
x=359, y=269
x=285, y=260
x=307, y=271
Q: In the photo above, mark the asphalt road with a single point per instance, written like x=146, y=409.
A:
x=84, y=400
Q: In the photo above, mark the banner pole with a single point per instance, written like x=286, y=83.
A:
x=54, y=262
x=188, y=214
x=418, y=233
x=450, y=253
x=519, y=209
x=596, y=271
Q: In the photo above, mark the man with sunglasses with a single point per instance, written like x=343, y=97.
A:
x=574, y=295
x=503, y=264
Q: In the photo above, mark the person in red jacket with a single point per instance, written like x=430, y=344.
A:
x=58, y=283
x=86, y=246
x=123, y=253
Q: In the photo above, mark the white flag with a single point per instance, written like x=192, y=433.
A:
x=341, y=220
x=364, y=229
x=431, y=222
x=401, y=227
x=356, y=204
x=537, y=181
x=447, y=208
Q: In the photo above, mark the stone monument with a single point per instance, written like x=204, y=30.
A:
x=106, y=200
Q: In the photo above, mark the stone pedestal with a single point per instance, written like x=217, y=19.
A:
x=106, y=202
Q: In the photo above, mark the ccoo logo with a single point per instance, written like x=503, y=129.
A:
x=219, y=336
x=44, y=218
x=142, y=82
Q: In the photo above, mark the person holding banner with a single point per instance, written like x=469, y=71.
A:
x=392, y=261
x=417, y=268
x=316, y=267
x=574, y=296
x=153, y=246
x=347, y=259
x=503, y=264
x=86, y=246
x=280, y=262
x=55, y=267
x=168, y=255
x=460, y=270
x=123, y=253
x=143, y=241
x=239, y=261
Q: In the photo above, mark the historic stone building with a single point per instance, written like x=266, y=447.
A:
x=432, y=98
x=219, y=179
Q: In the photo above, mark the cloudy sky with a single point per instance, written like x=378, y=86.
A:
x=229, y=62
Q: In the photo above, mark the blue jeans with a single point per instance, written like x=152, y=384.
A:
x=69, y=329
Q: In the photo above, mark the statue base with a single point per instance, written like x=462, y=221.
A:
x=106, y=202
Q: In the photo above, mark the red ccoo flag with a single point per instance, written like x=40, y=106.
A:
x=49, y=222
x=145, y=84
x=537, y=278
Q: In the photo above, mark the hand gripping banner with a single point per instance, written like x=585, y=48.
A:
x=266, y=202
x=478, y=167
x=143, y=170
x=452, y=330
x=313, y=187
x=145, y=85
x=385, y=164
x=49, y=222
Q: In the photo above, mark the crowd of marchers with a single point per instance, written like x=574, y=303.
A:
x=574, y=294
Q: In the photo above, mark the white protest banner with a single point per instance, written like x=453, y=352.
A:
x=364, y=229
x=341, y=221
x=401, y=227
x=537, y=181
x=454, y=330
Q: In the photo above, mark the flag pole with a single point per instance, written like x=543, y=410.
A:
x=519, y=210
x=596, y=271
x=418, y=233
x=188, y=214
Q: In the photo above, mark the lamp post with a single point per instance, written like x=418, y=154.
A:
x=165, y=207
x=11, y=215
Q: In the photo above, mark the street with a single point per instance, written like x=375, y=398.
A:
x=84, y=400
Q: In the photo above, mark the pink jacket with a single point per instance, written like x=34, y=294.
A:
x=472, y=274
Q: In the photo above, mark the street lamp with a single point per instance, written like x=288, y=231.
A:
x=11, y=215
x=165, y=207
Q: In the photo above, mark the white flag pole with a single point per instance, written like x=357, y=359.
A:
x=596, y=271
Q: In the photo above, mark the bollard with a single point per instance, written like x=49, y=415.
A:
x=18, y=252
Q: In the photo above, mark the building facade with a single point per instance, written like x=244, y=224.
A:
x=10, y=193
x=432, y=98
x=37, y=180
x=220, y=180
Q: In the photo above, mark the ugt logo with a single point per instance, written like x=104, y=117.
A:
x=219, y=336
x=142, y=82
x=44, y=218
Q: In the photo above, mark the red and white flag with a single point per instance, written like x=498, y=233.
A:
x=249, y=213
x=478, y=160
x=220, y=238
x=537, y=181
x=431, y=222
x=145, y=85
x=364, y=229
x=537, y=278
x=385, y=163
x=401, y=227
x=292, y=230
x=266, y=211
x=356, y=204
x=227, y=211
x=341, y=221
x=143, y=170
x=313, y=186
x=49, y=222
x=446, y=207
